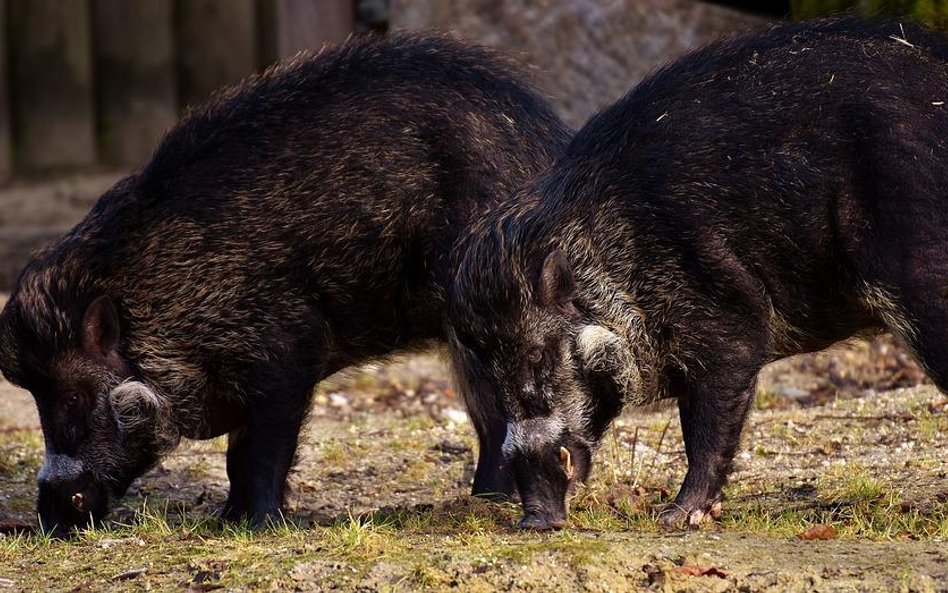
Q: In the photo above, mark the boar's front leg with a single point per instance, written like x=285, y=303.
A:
x=713, y=407
x=492, y=479
x=261, y=454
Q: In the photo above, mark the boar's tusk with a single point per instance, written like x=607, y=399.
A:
x=566, y=460
x=79, y=501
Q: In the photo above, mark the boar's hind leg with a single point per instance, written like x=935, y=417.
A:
x=905, y=284
x=237, y=507
x=916, y=312
x=260, y=455
x=713, y=406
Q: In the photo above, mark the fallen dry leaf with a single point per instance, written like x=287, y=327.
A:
x=130, y=574
x=816, y=532
x=938, y=406
x=696, y=570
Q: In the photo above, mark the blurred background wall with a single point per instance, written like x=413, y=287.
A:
x=88, y=87
x=96, y=82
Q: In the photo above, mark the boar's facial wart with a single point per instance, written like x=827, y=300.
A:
x=533, y=434
x=598, y=347
x=139, y=409
x=604, y=352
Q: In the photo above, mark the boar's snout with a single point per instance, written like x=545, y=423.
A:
x=544, y=479
x=544, y=502
x=544, y=521
x=70, y=500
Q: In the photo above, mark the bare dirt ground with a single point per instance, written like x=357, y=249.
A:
x=378, y=499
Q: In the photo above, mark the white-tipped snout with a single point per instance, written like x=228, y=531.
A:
x=59, y=468
x=533, y=434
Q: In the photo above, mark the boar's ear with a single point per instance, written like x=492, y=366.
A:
x=557, y=287
x=100, y=328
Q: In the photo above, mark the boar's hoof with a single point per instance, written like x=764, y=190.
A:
x=537, y=522
x=695, y=518
x=716, y=510
x=674, y=516
x=231, y=514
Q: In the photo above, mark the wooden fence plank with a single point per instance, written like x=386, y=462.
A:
x=307, y=24
x=5, y=156
x=216, y=45
x=51, y=83
x=268, y=45
x=135, y=77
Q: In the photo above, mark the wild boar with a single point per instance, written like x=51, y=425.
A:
x=760, y=197
x=297, y=224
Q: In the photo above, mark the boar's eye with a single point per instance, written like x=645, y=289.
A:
x=544, y=357
x=71, y=400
